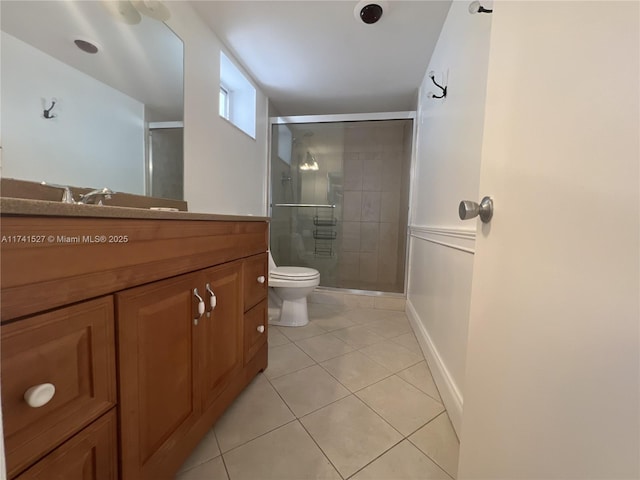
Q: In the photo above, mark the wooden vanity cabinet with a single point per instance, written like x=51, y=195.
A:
x=156, y=337
x=174, y=363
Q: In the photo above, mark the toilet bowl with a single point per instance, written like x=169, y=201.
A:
x=288, y=291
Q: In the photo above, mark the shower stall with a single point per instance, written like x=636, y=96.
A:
x=339, y=198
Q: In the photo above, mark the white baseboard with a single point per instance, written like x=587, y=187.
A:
x=449, y=392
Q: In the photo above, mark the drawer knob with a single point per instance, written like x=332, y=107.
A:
x=39, y=395
x=261, y=279
x=260, y=328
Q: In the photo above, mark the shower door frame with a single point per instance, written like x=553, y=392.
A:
x=352, y=117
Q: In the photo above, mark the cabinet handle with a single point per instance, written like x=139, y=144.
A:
x=260, y=328
x=200, y=306
x=39, y=395
x=213, y=300
x=261, y=279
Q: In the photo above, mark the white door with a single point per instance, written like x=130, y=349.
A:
x=552, y=379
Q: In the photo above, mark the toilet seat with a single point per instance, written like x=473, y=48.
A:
x=294, y=273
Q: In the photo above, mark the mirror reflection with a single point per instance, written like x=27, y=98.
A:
x=92, y=96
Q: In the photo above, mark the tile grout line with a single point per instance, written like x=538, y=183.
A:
x=224, y=463
x=439, y=400
x=425, y=453
x=338, y=380
x=302, y=425
x=354, y=393
x=320, y=448
x=335, y=401
x=258, y=436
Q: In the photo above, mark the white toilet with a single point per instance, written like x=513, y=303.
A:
x=288, y=291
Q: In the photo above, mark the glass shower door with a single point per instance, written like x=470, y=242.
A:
x=337, y=201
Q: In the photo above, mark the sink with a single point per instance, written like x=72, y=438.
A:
x=14, y=188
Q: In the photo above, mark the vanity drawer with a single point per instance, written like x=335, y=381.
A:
x=72, y=349
x=255, y=320
x=92, y=454
x=255, y=273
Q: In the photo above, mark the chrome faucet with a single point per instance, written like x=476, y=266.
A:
x=67, y=196
x=102, y=194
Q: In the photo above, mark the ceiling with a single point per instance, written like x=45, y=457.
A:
x=313, y=57
x=144, y=61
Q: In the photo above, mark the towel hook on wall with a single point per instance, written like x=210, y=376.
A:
x=475, y=7
x=47, y=111
x=432, y=76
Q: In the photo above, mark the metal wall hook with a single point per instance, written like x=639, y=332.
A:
x=47, y=111
x=475, y=7
x=432, y=76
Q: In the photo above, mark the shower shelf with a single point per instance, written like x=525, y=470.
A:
x=325, y=222
x=324, y=235
x=324, y=248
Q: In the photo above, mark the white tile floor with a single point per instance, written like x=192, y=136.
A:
x=347, y=396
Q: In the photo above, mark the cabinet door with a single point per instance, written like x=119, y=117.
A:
x=221, y=330
x=158, y=368
x=72, y=349
x=90, y=455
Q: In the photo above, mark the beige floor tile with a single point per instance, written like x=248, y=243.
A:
x=309, y=389
x=420, y=377
x=287, y=453
x=402, y=462
x=276, y=338
x=358, y=336
x=408, y=341
x=324, y=310
x=391, y=355
x=396, y=316
x=324, y=347
x=355, y=370
x=206, y=450
x=333, y=323
x=257, y=410
x=286, y=359
x=388, y=328
x=350, y=434
x=325, y=298
x=390, y=303
x=402, y=405
x=358, y=301
x=367, y=315
x=211, y=470
x=298, y=333
x=438, y=441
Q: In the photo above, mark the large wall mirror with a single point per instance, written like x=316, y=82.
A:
x=76, y=116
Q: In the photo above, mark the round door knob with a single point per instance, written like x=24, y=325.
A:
x=260, y=328
x=261, y=279
x=39, y=395
x=468, y=209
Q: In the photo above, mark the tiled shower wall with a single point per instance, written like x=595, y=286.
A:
x=377, y=159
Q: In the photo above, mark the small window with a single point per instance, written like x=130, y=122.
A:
x=224, y=102
x=239, y=95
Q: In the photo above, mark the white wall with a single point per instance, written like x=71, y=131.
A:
x=90, y=117
x=448, y=147
x=224, y=168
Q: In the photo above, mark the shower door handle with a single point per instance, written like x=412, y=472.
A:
x=309, y=205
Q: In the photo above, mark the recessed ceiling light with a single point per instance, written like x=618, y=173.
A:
x=86, y=46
